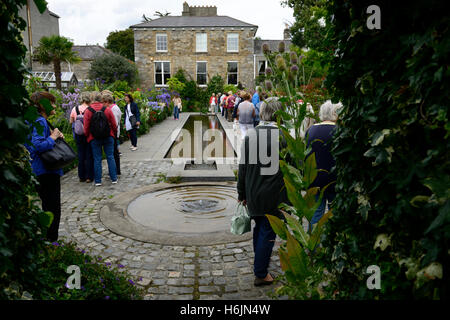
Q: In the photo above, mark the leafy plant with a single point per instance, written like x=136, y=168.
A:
x=303, y=276
x=391, y=149
x=112, y=67
x=122, y=43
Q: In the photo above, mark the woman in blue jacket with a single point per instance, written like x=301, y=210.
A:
x=131, y=109
x=49, y=188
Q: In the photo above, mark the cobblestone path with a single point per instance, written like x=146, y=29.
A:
x=168, y=272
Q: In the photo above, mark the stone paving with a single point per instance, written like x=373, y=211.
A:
x=216, y=272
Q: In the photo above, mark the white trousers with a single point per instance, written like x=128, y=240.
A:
x=244, y=128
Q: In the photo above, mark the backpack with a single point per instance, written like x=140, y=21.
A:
x=99, y=126
x=79, y=123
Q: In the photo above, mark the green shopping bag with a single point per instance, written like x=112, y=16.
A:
x=240, y=222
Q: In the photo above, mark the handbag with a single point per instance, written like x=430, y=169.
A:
x=241, y=222
x=60, y=156
x=132, y=119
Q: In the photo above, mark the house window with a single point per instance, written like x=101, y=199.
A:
x=232, y=73
x=162, y=72
x=161, y=43
x=262, y=65
x=233, y=42
x=201, y=42
x=201, y=73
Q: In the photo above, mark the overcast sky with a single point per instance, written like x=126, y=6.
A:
x=90, y=21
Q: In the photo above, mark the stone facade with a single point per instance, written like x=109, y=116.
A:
x=181, y=53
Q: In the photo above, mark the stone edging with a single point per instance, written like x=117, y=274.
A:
x=114, y=216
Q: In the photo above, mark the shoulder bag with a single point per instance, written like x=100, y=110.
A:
x=60, y=156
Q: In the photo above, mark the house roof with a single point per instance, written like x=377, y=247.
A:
x=189, y=21
x=273, y=45
x=89, y=52
x=53, y=14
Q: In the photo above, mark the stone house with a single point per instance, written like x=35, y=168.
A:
x=200, y=42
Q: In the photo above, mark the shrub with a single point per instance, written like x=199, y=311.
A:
x=112, y=67
x=99, y=280
x=230, y=87
x=391, y=149
x=215, y=85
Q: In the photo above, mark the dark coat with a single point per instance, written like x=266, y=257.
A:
x=134, y=110
x=263, y=193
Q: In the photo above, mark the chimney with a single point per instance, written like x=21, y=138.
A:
x=286, y=33
x=186, y=11
x=199, y=11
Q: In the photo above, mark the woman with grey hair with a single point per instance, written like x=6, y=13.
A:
x=320, y=137
x=261, y=187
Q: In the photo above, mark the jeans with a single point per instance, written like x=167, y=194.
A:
x=263, y=242
x=133, y=137
x=108, y=147
x=176, y=113
x=223, y=111
x=85, y=159
x=117, y=156
x=329, y=196
x=49, y=190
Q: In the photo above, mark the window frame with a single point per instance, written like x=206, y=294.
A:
x=156, y=42
x=206, y=73
x=162, y=72
x=237, y=73
x=228, y=38
x=196, y=42
x=265, y=67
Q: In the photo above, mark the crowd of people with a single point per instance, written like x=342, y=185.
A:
x=96, y=129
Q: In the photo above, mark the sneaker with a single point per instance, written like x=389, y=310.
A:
x=261, y=282
x=114, y=182
x=133, y=148
x=88, y=180
x=98, y=184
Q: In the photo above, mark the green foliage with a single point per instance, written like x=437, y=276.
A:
x=122, y=43
x=99, y=280
x=34, y=84
x=215, y=85
x=175, y=85
x=230, y=87
x=303, y=277
x=20, y=224
x=391, y=149
x=112, y=67
x=54, y=50
x=193, y=97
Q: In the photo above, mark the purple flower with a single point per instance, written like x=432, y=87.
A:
x=107, y=298
x=55, y=244
x=131, y=281
x=120, y=265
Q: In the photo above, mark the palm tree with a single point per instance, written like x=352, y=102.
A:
x=54, y=50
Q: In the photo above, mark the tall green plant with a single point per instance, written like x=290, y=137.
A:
x=299, y=252
x=22, y=222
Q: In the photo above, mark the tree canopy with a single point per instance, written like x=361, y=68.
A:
x=122, y=43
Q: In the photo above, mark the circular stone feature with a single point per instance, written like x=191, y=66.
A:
x=185, y=209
